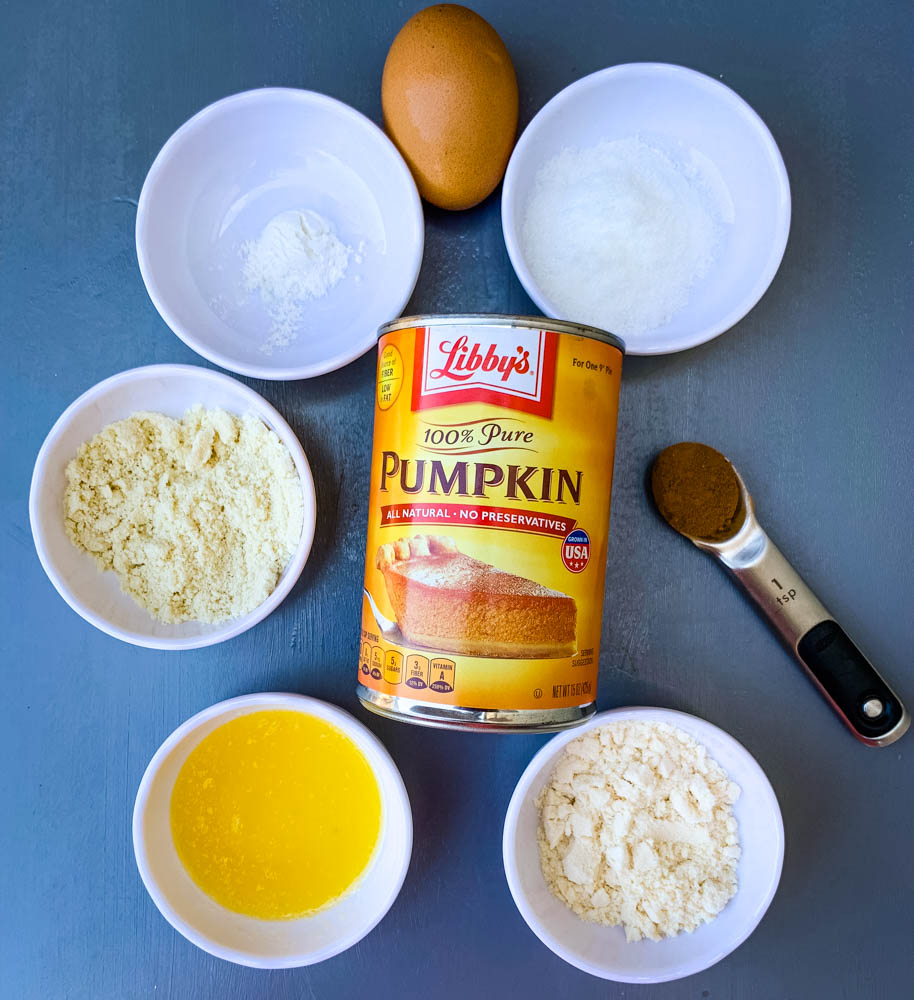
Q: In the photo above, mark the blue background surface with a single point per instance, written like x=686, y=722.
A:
x=810, y=395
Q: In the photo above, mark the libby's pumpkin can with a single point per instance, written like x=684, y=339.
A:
x=491, y=477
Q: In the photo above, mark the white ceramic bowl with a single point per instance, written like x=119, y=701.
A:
x=268, y=944
x=603, y=951
x=679, y=111
x=96, y=596
x=224, y=175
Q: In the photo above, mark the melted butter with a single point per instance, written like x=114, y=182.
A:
x=275, y=814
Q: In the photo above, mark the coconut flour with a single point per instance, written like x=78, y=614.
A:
x=637, y=828
x=297, y=257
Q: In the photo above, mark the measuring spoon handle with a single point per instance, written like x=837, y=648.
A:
x=847, y=679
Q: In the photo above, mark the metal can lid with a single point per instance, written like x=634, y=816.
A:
x=499, y=319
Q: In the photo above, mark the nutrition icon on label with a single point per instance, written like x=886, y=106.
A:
x=390, y=377
x=442, y=674
x=417, y=671
x=393, y=666
x=377, y=662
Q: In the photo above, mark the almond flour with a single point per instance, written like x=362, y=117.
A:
x=198, y=517
x=637, y=828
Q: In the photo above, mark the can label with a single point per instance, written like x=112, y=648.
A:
x=489, y=514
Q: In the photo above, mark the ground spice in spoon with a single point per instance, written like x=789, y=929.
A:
x=697, y=491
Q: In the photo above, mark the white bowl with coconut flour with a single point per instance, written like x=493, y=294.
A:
x=276, y=230
x=603, y=950
x=648, y=200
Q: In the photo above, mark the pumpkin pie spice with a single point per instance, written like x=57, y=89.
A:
x=697, y=491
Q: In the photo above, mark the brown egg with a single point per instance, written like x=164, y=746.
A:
x=449, y=95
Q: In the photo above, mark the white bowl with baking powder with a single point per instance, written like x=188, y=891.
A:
x=224, y=176
x=96, y=596
x=707, y=129
x=603, y=951
x=268, y=944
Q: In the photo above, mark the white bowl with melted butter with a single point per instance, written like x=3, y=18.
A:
x=248, y=940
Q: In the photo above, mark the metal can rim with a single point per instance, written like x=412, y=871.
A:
x=506, y=320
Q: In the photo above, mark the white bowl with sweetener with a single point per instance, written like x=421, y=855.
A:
x=603, y=951
x=621, y=229
x=217, y=222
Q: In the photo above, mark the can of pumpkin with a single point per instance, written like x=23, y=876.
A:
x=488, y=520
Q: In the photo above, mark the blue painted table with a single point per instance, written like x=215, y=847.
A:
x=810, y=395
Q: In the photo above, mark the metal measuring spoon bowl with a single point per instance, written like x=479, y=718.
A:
x=846, y=678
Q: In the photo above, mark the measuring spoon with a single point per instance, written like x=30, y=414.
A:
x=847, y=679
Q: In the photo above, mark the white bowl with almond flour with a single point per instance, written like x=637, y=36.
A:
x=97, y=596
x=648, y=200
x=276, y=230
x=604, y=951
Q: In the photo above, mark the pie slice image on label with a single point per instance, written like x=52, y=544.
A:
x=445, y=599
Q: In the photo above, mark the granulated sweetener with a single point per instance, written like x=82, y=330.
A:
x=637, y=828
x=617, y=235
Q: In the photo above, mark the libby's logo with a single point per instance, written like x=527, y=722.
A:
x=464, y=361
x=513, y=367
